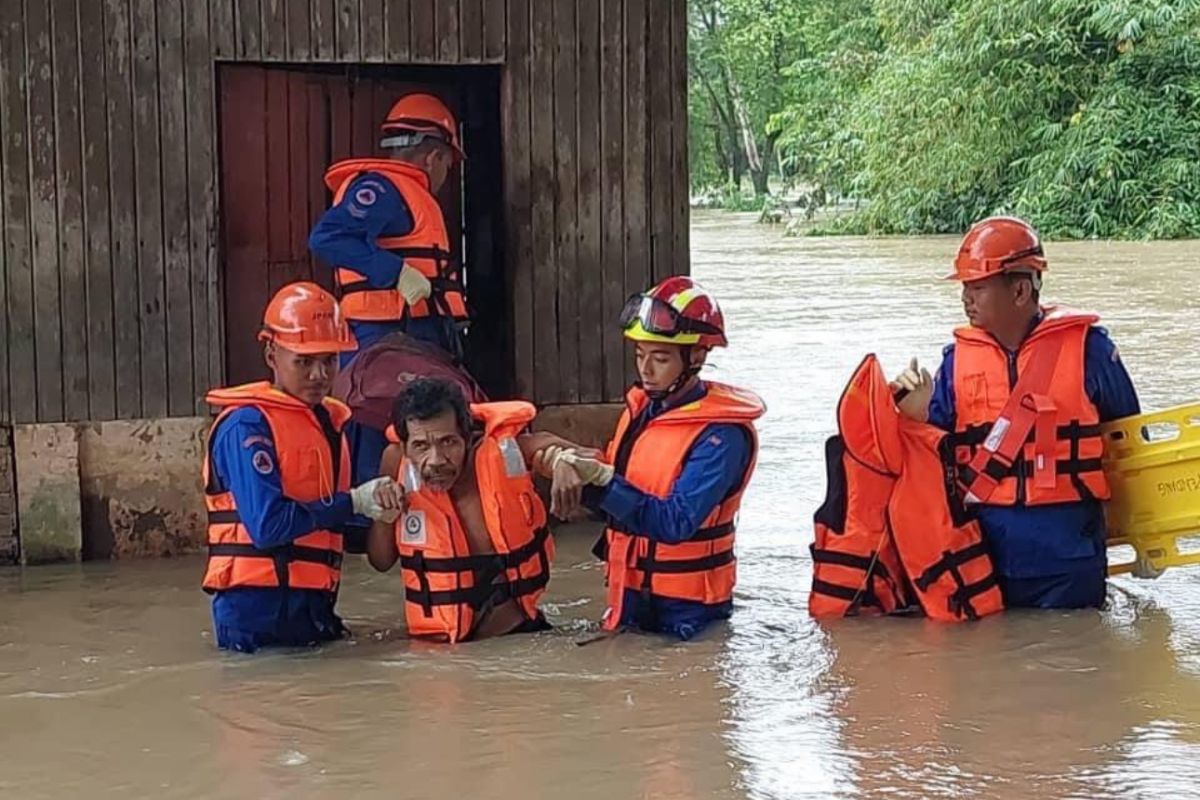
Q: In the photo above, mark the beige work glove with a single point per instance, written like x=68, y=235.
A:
x=917, y=383
x=381, y=499
x=414, y=286
x=546, y=459
x=566, y=484
x=590, y=470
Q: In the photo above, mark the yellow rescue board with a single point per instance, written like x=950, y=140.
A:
x=1153, y=466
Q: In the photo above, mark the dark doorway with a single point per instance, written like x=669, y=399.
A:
x=281, y=126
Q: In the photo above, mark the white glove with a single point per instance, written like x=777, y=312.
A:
x=413, y=285
x=918, y=384
x=547, y=458
x=363, y=499
x=1145, y=570
x=590, y=470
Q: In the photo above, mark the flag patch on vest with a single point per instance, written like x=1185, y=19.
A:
x=412, y=528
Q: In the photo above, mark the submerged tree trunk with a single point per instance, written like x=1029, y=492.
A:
x=754, y=161
x=760, y=182
x=722, y=155
x=725, y=133
x=761, y=176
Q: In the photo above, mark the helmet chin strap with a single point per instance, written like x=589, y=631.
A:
x=690, y=371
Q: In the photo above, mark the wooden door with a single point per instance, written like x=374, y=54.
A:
x=280, y=128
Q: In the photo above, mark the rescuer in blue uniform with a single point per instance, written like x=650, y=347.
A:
x=387, y=239
x=277, y=484
x=1049, y=551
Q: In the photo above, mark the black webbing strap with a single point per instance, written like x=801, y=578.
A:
x=856, y=597
x=959, y=601
x=281, y=557
x=484, y=568
x=477, y=596
x=950, y=560
x=477, y=563
x=652, y=565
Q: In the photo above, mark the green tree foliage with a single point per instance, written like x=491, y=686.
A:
x=736, y=52
x=1126, y=162
x=1080, y=115
x=842, y=47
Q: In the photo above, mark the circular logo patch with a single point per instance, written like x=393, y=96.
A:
x=365, y=197
x=262, y=462
x=413, y=532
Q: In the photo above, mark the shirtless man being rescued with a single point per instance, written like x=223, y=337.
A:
x=473, y=543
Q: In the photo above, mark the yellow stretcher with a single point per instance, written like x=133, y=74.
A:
x=1153, y=466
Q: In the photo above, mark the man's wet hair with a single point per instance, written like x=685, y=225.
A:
x=426, y=398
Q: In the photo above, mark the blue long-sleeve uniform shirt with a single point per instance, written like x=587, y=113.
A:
x=714, y=467
x=346, y=235
x=1050, y=556
x=245, y=619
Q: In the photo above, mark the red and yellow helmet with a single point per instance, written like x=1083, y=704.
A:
x=676, y=311
x=996, y=245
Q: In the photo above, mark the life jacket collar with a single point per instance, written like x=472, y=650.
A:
x=341, y=171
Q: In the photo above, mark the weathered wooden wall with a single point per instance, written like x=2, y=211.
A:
x=596, y=186
x=110, y=257
x=110, y=261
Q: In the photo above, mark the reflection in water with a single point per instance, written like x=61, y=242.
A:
x=110, y=687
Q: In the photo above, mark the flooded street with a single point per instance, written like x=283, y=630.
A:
x=110, y=685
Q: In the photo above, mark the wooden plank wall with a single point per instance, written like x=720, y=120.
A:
x=109, y=242
x=108, y=217
x=594, y=113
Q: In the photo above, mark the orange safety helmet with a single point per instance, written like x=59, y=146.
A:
x=996, y=245
x=304, y=318
x=676, y=311
x=416, y=117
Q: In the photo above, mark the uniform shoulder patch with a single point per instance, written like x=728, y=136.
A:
x=365, y=196
x=263, y=463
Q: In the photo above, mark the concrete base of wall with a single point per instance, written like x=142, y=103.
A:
x=47, y=459
x=109, y=490
x=588, y=425
x=140, y=487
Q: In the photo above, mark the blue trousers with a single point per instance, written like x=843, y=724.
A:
x=1083, y=588
x=246, y=619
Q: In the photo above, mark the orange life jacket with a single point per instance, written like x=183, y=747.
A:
x=447, y=588
x=425, y=248
x=650, y=457
x=313, y=463
x=1058, y=459
x=891, y=526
